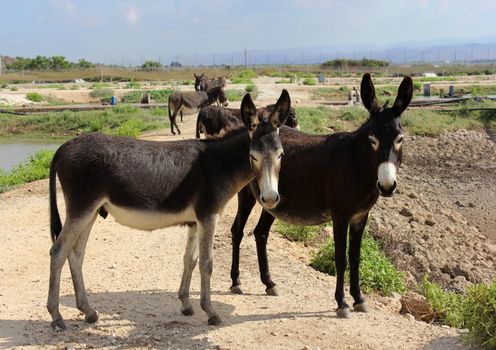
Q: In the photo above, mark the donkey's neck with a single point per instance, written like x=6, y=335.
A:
x=230, y=158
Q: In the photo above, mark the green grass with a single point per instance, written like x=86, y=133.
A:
x=297, y=233
x=309, y=81
x=36, y=168
x=133, y=85
x=377, y=273
x=157, y=96
x=237, y=95
x=70, y=123
x=314, y=120
x=475, y=310
x=329, y=93
x=250, y=88
x=102, y=93
x=244, y=77
x=34, y=96
x=283, y=81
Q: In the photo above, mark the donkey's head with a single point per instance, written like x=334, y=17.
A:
x=198, y=81
x=266, y=149
x=386, y=132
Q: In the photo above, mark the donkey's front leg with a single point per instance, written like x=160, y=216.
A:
x=190, y=260
x=340, y=230
x=206, y=235
x=356, y=233
x=261, y=234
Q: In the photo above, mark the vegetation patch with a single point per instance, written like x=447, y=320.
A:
x=157, y=96
x=309, y=81
x=244, y=77
x=377, y=273
x=297, y=233
x=34, y=96
x=36, y=168
x=475, y=310
x=69, y=123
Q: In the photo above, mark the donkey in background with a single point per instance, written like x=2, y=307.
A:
x=215, y=121
x=192, y=101
x=150, y=185
x=336, y=177
x=203, y=83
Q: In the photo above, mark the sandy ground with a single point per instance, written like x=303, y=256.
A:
x=132, y=278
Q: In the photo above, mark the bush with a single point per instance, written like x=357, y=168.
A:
x=34, y=96
x=36, y=168
x=309, y=81
x=376, y=271
x=133, y=85
x=475, y=310
x=104, y=94
x=250, y=88
x=131, y=128
x=297, y=233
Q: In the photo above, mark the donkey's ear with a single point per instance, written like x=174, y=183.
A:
x=281, y=110
x=248, y=112
x=367, y=93
x=405, y=93
x=196, y=76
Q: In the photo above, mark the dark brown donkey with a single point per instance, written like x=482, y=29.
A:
x=203, y=83
x=215, y=121
x=191, y=102
x=334, y=177
x=151, y=185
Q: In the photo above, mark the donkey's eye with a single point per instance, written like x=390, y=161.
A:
x=399, y=139
x=280, y=156
x=253, y=158
x=374, y=141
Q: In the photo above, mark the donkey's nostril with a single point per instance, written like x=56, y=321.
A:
x=263, y=199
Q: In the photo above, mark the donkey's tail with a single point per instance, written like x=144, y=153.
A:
x=199, y=124
x=55, y=223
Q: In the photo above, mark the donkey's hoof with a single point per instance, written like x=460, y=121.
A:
x=214, y=321
x=272, y=291
x=236, y=289
x=343, y=312
x=188, y=311
x=92, y=317
x=59, y=325
x=362, y=307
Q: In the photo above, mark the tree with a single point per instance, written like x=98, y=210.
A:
x=151, y=65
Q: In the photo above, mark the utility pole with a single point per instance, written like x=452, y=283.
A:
x=246, y=58
x=1, y=67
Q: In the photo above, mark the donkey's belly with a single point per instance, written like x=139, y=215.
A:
x=149, y=220
x=190, y=110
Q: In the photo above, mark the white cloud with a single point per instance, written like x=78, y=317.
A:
x=131, y=15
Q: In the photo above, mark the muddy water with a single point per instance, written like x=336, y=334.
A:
x=14, y=151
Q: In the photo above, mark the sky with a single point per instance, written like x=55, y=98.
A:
x=123, y=31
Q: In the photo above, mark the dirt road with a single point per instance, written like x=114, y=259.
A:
x=132, y=278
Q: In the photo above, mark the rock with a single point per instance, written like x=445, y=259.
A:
x=406, y=212
x=429, y=222
x=273, y=333
x=418, y=306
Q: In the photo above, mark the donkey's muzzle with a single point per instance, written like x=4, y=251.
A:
x=386, y=192
x=270, y=200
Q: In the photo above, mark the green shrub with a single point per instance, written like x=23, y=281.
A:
x=309, y=81
x=131, y=128
x=250, y=88
x=283, y=81
x=34, y=96
x=14, y=88
x=480, y=314
x=297, y=233
x=474, y=310
x=133, y=85
x=188, y=82
x=36, y=168
x=234, y=95
x=376, y=271
x=102, y=93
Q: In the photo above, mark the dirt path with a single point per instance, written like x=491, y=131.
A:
x=132, y=278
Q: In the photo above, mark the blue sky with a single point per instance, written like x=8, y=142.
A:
x=124, y=30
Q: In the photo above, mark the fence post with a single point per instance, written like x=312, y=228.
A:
x=1, y=67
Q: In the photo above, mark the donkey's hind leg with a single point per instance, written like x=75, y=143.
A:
x=58, y=254
x=76, y=257
x=190, y=260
